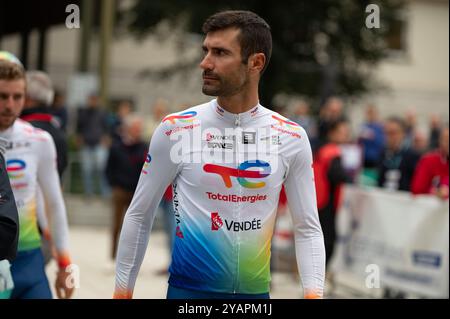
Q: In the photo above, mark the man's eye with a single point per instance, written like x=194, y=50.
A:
x=18, y=97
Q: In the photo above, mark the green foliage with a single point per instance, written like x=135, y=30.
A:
x=320, y=47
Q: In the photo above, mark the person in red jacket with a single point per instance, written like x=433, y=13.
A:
x=431, y=174
x=329, y=176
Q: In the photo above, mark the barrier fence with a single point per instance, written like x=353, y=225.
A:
x=393, y=241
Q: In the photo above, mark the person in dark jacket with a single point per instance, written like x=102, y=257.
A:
x=9, y=217
x=123, y=109
x=371, y=138
x=9, y=220
x=59, y=110
x=123, y=168
x=398, y=162
x=93, y=140
x=38, y=113
x=9, y=227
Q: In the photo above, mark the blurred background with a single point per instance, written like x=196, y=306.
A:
x=119, y=66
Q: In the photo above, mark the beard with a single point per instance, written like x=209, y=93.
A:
x=215, y=85
x=7, y=120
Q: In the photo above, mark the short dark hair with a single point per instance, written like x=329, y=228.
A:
x=255, y=35
x=10, y=71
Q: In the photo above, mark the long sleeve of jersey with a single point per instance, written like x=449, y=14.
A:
x=157, y=173
x=41, y=214
x=49, y=184
x=309, y=243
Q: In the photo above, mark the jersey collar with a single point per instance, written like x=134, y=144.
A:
x=236, y=118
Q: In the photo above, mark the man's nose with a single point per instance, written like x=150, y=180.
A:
x=206, y=63
x=9, y=101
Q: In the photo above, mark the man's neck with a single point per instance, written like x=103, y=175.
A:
x=239, y=103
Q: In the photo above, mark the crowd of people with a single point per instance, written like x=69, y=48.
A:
x=390, y=149
x=391, y=153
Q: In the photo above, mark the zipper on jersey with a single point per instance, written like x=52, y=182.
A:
x=237, y=123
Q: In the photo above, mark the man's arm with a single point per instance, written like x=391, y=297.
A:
x=309, y=242
x=48, y=180
x=157, y=173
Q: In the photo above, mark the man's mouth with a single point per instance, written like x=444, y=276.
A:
x=209, y=78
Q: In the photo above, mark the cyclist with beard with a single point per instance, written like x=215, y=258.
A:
x=225, y=208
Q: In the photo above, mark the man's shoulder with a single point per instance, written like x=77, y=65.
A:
x=23, y=128
x=187, y=116
x=286, y=127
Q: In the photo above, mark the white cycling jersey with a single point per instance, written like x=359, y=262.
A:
x=31, y=163
x=227, y=171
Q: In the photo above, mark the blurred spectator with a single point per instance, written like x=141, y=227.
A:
x=410, y=127
x=37, y=111
x=329, y=175
x=431, y=174
x=59, y=110
x=371, y=137
x=93, y=139
x=397, y=162
x=159, y=110
x=303, y=117
x=332, y=111
x=435, y=132
x=124, y=165
x=124, y=108
x=419, y=142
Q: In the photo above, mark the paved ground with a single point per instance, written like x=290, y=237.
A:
x=90, y=244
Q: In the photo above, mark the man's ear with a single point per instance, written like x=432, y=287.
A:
x=256, y=62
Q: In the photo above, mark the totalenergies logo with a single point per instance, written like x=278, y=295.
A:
x=15, y=168
x=284, y=122
x=185, y=117
x=241, y=173
x=148, y=159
